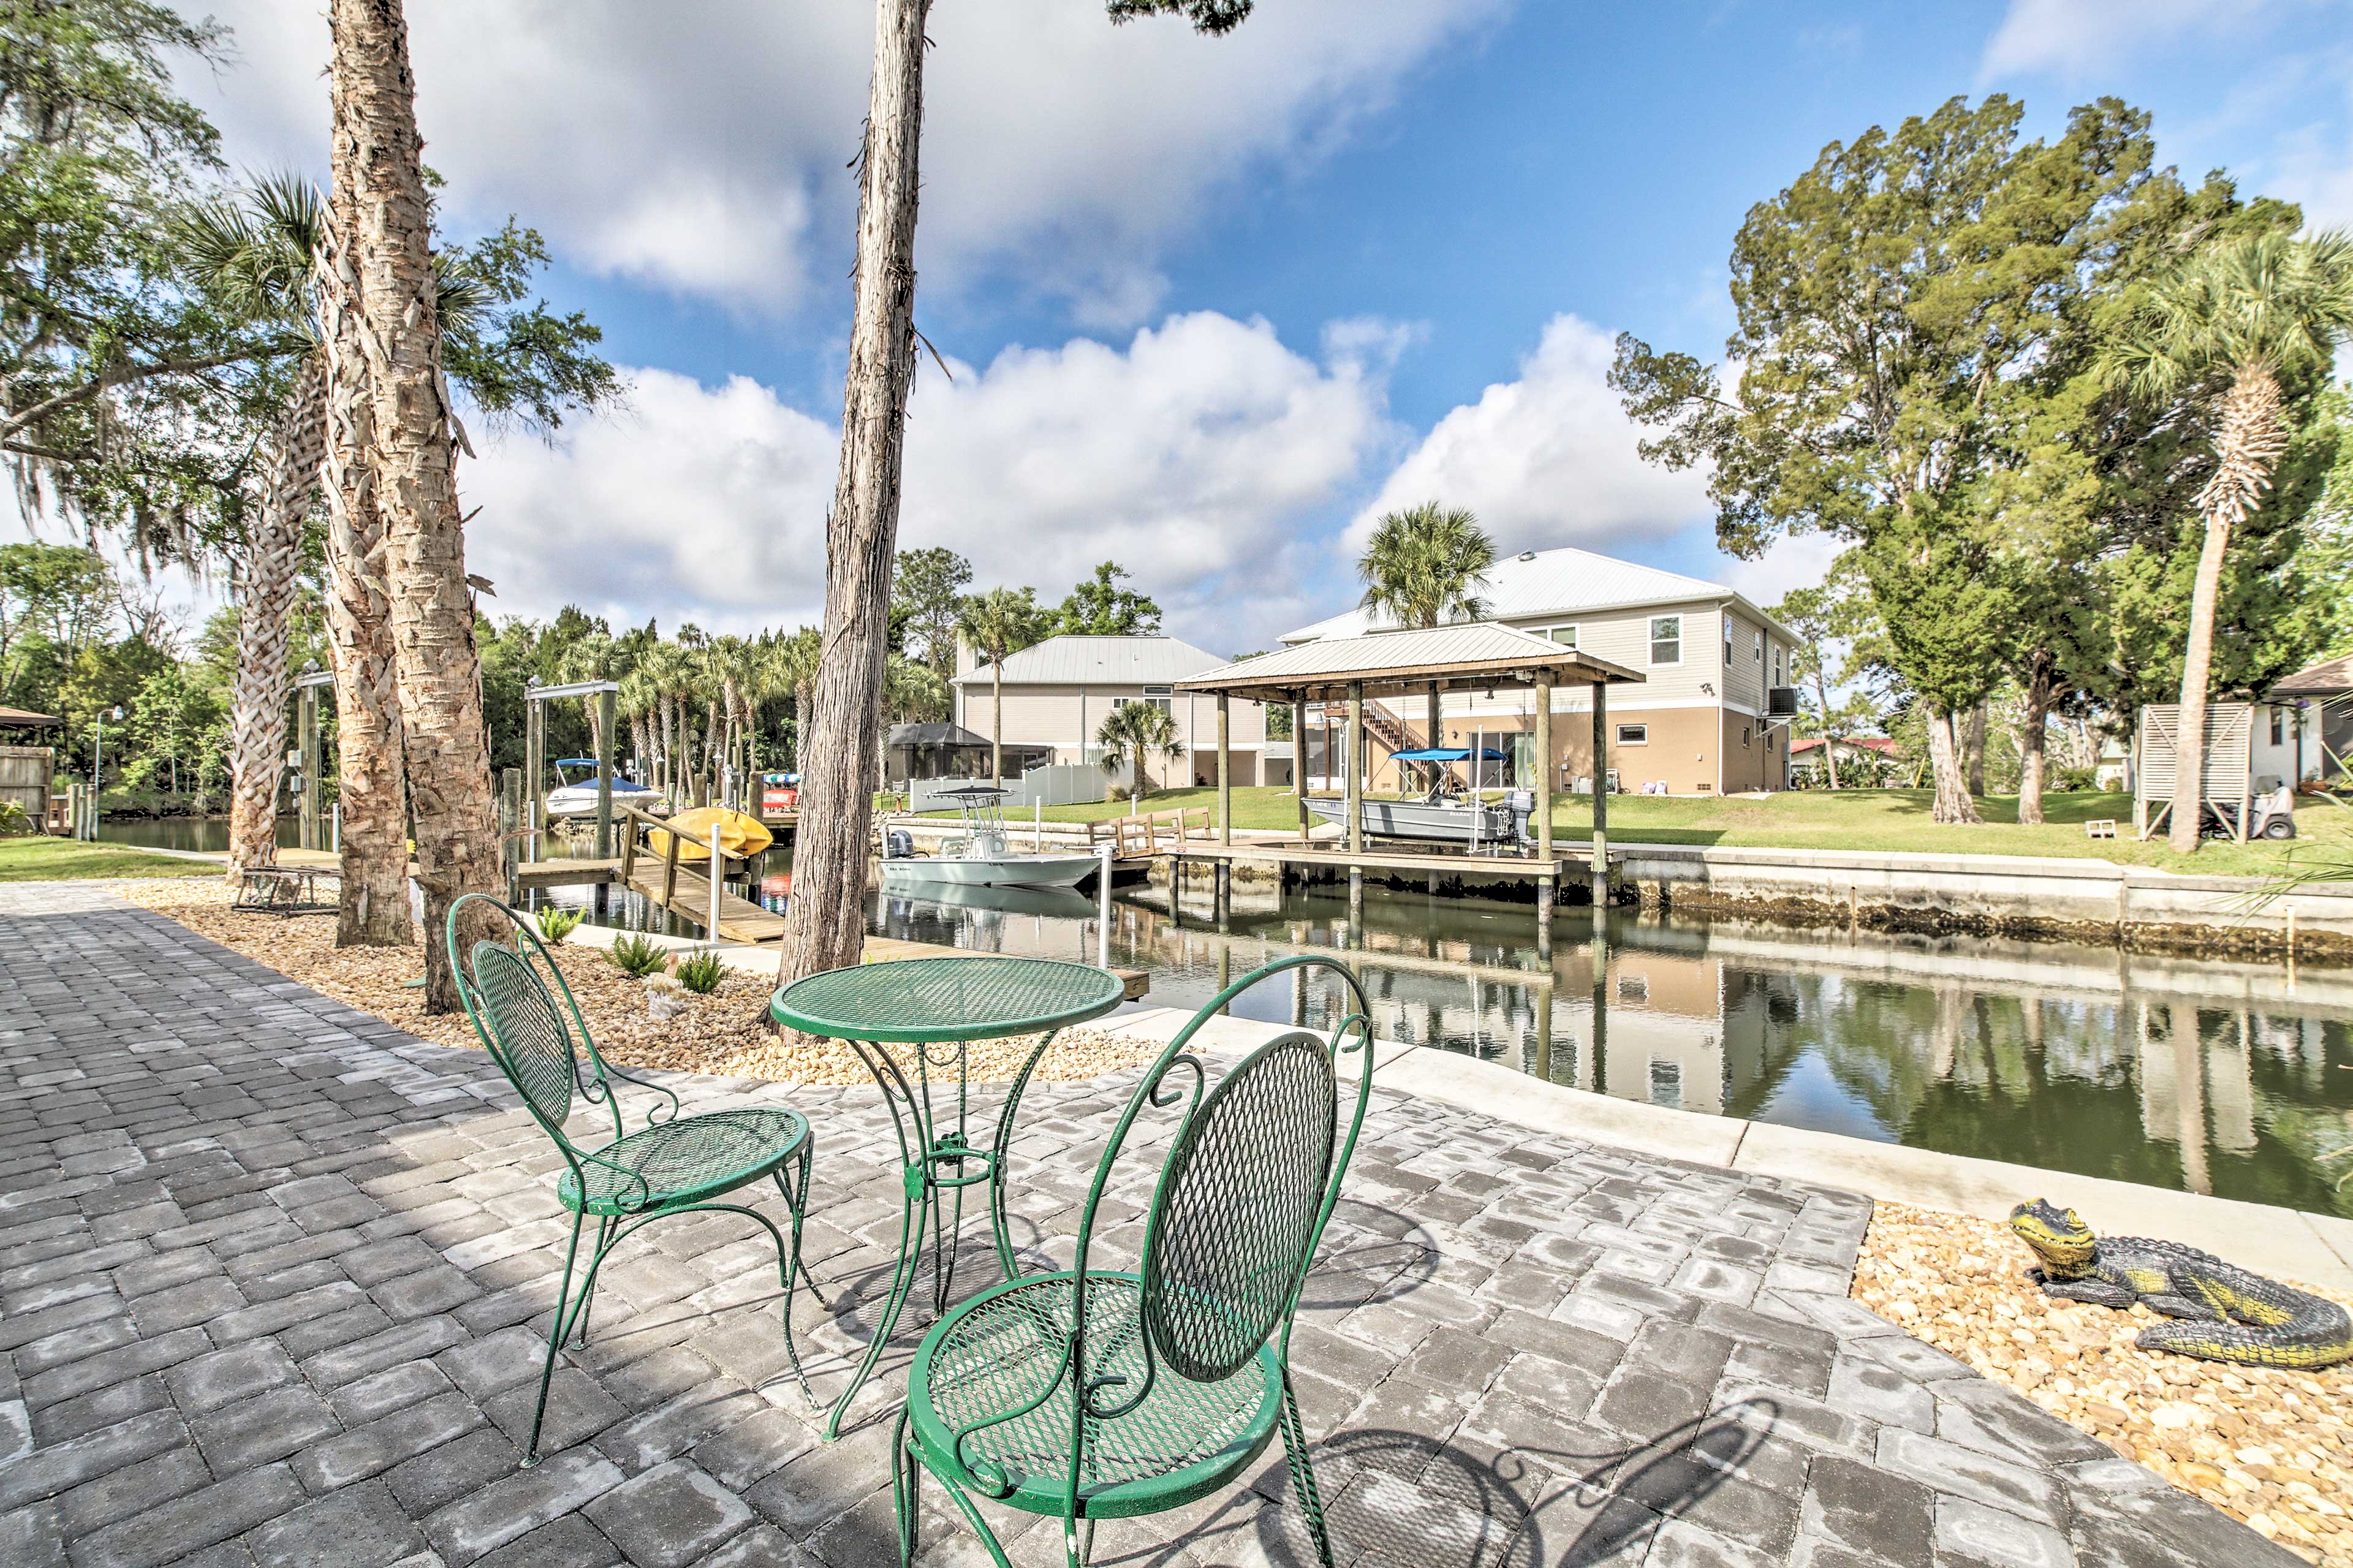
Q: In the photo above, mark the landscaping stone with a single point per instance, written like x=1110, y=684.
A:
x=301, y=1261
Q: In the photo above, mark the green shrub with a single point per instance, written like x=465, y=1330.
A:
x=554, y=925
x=2073, y=779
x=637, y=956
x=14, y=823
x=702, y=973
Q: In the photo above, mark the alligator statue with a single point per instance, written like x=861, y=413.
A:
x=2220, y=1312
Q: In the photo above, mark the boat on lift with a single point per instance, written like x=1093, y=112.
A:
x=577, y=796
x=1444, y=816
x=981, y=856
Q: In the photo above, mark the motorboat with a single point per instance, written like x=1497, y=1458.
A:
x=1440, y=821
x=980, y=856
x=1445, y=814
x=577, y=796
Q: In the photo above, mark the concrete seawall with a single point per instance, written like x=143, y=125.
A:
x=2016, y=894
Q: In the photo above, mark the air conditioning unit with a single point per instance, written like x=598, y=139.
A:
x=1781, y=702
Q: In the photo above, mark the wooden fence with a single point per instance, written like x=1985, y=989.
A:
x=24, y=778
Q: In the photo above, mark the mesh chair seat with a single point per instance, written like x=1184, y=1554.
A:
x=998, y=1353
x=683, y=1160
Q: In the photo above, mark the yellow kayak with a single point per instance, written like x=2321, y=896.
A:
x=739, y=835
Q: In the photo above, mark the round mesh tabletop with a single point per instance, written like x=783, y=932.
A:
x=918, y=1000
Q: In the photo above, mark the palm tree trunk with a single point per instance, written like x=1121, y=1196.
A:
x=370, y=780
x=997, y=719
x=1829, y=739
x=824, y=925
x=1952, y=802
x=2248, y=444
x=415, y=458
x=265, y=605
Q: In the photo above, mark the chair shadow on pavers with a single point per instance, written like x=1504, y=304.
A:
x=674, y=1165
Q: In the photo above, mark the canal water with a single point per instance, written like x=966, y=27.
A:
x=2213, y=1076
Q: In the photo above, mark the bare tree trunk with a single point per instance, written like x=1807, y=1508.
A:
x=1829, y=739
x=1952, y=798
x=415, y=460
x=370, y=781
x=2033, y=742
x=2248, y=445
x=1973, y=749
x=824, y=925
x=265, y=606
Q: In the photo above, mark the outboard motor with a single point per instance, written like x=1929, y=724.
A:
x=899, y=845
x=1522, y=804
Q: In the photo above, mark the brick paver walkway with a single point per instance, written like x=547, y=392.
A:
x=273, y=1275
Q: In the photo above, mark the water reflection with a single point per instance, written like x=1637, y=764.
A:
x=2216, y=1077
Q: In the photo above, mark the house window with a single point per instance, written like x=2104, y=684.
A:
x=1777, y=666
x=1633, y=734
x=2279, y=726
x=1757, y=651
x=1634, y=988
x=1564, y=635
x=1727, y=639
x=1667, y=1084
x=1666, y=640
x=1743, y=734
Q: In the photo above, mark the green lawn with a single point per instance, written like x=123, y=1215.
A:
x=1895, y=819
x=41, y=859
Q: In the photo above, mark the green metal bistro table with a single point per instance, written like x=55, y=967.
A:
x=940, y=1006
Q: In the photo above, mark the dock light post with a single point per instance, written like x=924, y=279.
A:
x=98, y=763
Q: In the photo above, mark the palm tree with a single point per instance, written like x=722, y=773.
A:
x=1001, y=624
x=1134, y=731
x=793, y=664
x=2240, y=316
x=1424, y=566
x=377, y=159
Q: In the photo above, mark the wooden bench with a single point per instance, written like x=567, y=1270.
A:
x=287, y=891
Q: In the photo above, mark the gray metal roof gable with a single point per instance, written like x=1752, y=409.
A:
x=1077, y=660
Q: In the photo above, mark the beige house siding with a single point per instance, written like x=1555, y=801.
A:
x=1623, y=637
x=1066, y=718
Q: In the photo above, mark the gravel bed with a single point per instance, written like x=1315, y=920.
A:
x=2268, y=1446
x=723, y=1033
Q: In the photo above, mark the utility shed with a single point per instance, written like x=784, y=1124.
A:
x=1482, y=655
x=2229, y=771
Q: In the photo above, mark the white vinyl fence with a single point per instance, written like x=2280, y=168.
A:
x=1057, y=784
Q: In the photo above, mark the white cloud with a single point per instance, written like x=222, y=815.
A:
x=1546, y=459
x=1192, y=457
x=2071, y=37
x=702, y=147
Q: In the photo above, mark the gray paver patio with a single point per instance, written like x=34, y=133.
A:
x=272, y=1274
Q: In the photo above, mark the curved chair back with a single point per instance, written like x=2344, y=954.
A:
x=1233, y=1224
x=505, y=988
x=1242, y=1202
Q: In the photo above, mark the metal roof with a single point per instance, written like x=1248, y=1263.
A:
x=2329, y=677
x=18, y=718
x=1071, y=660
x=1565, y=582
x=1475, y=653
x=933, y=732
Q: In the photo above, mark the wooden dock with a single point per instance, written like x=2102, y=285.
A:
x=1375, y=860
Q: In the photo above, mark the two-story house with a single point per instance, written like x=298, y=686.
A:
x=1057, y=693
x=1704, y=721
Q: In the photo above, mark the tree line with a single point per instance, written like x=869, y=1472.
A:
x=2068, y=414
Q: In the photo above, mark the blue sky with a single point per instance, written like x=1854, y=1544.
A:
x=1209, y=302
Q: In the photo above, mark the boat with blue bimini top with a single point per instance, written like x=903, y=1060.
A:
x=1445, y=814
x=576, y=797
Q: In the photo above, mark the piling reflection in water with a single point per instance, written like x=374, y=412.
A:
x=2225, y=1077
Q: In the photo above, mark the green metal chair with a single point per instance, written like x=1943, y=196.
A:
x=1093, y=1394
x=674, y=1164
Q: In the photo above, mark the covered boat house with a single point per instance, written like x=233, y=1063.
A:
x=1482, y=656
